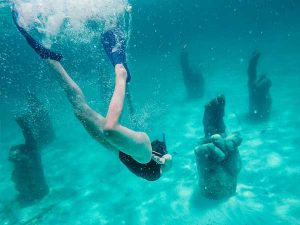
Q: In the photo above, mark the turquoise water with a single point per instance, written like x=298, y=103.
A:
x=88, y=184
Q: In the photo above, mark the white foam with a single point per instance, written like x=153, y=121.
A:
x=50, y=17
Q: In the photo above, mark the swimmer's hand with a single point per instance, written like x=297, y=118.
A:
x=162, y=160
x=158, y=160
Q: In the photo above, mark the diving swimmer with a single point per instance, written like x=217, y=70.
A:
x=145, y=159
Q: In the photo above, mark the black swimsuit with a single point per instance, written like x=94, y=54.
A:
x=150, y=171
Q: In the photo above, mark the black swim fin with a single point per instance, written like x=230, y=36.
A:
x=42, y=51
x=114, y=44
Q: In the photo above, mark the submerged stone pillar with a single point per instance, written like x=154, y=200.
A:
x=193, y=79
x=28, y=174
x=260, y=101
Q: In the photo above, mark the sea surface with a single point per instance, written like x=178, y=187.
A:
x=88, y=184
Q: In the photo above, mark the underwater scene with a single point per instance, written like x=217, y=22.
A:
x=149, y=112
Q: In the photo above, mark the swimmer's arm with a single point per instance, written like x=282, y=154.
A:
x=164, y=160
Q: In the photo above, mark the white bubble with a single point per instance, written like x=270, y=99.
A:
x=53, y=16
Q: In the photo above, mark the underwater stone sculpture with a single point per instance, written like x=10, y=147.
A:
x=217, y=156
x=193, y=80
x=38, y=121
x=260, y=101
x=28, y=174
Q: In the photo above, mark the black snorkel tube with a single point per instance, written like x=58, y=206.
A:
x=159, y=148
x=164, y=138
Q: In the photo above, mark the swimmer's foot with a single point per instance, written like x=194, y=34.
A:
x=37, y=47
x=114, y=44
x=213, y=116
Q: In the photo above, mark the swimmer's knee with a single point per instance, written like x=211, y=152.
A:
x=145, y=156
x=145, y=144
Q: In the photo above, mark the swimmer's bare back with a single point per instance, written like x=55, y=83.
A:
x=106, y=131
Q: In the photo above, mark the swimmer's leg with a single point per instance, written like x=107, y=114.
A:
x=117, y=137
x=37, y=47
x=139, y=142
x=117, y=100
x=114, y=44
x=92, y=121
